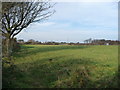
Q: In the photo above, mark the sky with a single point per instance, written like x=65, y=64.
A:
x=76, y=22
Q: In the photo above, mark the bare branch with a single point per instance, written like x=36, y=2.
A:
x=21, y=15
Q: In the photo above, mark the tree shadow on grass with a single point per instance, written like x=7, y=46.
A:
x=49, y=74
x=10, y=74
x=72, y=73
x=108, y=81
x=39, y=74
x=30, y=50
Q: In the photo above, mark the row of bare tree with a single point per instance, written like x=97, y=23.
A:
x=91, y=42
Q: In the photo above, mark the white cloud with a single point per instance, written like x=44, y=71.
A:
x=62, y=0
x=76, y=21
x=43, y=24
x=84, y=0
x=47, y=26
x=73, y=35
x=104, y=14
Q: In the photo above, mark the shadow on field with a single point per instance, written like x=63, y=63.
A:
x=10, y=76
x=30, y=50
x=109, y=82
x=56, y=74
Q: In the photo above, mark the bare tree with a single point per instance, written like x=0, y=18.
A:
x=88, y=40
x=18, y=15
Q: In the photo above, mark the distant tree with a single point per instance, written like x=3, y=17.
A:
x=85, y=41
x=31, y=41
x=21, y=41
x=19, y=15
x=36, y=42
x=63, y=42
x=39, y=42
x=88, y=40
x=71, y=43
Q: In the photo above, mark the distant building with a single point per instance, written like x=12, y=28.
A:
x=107, y=43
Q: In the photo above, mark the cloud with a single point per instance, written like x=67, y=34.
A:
x=76, y=21
x=104, y=14
x=42, y=24
x=73, y=35
x=85, y=0
x=43, y=27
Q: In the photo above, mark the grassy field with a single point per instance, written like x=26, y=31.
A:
x=40, y=66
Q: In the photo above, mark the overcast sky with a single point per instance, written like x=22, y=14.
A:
x=75, y=22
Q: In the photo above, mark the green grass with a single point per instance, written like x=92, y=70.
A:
x=71, y=67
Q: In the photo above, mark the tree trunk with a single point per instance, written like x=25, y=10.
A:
x=8, y=47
